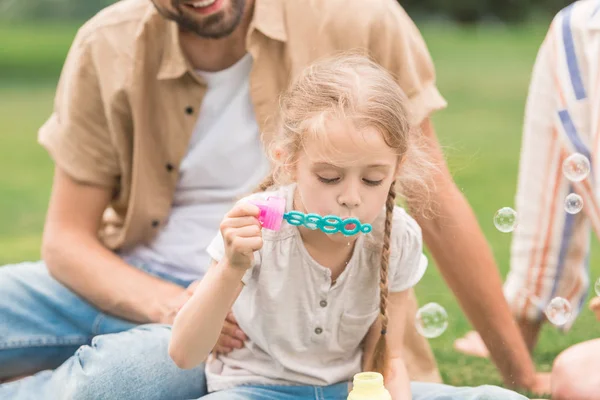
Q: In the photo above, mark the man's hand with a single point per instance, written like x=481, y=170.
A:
x=172, y=307
x=231, y=336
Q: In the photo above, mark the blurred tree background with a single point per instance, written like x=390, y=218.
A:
x=461, y=11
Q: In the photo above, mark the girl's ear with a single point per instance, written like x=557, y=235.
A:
x=278, y=154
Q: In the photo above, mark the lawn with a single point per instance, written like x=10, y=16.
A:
x=483, y=73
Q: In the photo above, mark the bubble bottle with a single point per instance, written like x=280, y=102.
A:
x=369, y=386
x=272, y=214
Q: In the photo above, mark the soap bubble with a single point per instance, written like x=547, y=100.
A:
x=597, y=287
x=576, y=167
x=431, y=320
x=558, y=311
x=505, y=219
x=573, y=203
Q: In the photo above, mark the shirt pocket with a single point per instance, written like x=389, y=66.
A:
x=354, y=327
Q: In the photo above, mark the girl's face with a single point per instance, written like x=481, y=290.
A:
x=348, y=174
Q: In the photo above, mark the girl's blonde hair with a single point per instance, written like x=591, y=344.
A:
x=352, y=87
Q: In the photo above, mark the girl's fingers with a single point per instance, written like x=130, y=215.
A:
x=247, y=231
x=246, y=244
x=243, y=209
x=239, y=222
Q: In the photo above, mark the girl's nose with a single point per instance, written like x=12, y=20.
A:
x=350, y=197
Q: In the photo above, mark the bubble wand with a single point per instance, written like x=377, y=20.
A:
x=272, y=214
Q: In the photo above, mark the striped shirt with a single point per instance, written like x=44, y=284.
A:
x=550, y=248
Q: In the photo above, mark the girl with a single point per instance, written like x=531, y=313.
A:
x=318, y=308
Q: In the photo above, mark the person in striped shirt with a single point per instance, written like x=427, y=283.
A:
x=550, y=246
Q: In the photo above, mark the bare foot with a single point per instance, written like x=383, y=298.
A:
x=472, y=345
x=595, y=307
x=542, y=385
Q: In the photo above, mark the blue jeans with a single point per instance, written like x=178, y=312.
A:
x=87, y=354
x=420, y=391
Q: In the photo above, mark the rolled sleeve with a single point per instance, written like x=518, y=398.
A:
x=76, y=135
x=397, y=45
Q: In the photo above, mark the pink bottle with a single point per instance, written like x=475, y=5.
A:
x=271, y=212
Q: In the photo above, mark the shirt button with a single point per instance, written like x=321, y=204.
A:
x=323, y=303
x=169, y=167
x=318, y=331
x=189, y=110
x=155, y=223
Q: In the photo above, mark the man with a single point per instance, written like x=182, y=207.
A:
x=550, y=248
x=155, y=132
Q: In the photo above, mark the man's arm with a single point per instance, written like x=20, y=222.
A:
x=465, y=260
x=453, y=235
x=76, y=257
x=396, y=376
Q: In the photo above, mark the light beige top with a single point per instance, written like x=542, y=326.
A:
x=301, y=328
x=128, y=100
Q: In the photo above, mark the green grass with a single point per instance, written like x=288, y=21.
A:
x=483, y=73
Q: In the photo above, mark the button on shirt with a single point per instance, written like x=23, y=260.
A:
x=293, y=338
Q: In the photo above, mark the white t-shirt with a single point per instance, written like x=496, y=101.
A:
x=301, y=329
x=225, y=161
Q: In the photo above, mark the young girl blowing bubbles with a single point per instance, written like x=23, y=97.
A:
x=318, y=308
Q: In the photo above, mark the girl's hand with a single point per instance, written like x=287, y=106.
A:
x=242, y=235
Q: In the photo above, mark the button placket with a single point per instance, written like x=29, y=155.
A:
x=320, y=310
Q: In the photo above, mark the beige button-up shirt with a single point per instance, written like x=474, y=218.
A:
x=127, y=98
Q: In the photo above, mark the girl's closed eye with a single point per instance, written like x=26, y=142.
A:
x=328, y=180
x=372, y=182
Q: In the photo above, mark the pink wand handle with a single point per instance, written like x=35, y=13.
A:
x=271, y=212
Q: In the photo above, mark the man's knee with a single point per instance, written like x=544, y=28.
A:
x=131, y=364
x=125, y=355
